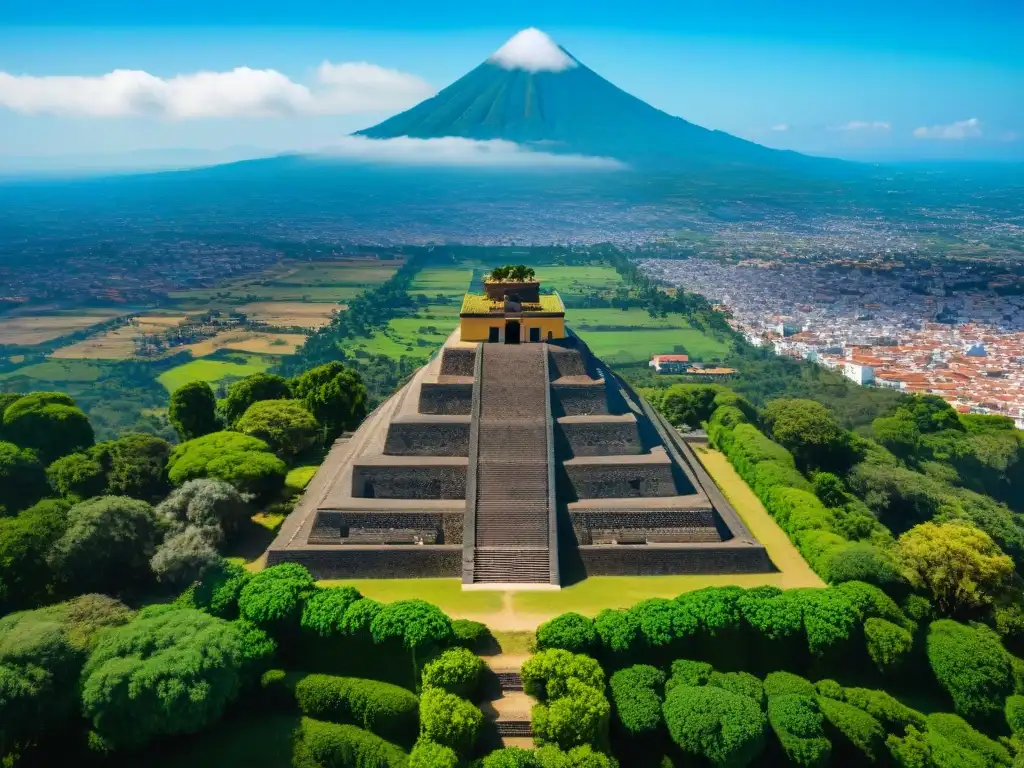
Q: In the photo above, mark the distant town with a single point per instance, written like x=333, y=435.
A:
x=953, y=329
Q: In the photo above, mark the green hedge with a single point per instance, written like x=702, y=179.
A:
x=471, y=635
x=569, y=631
x=428, y=754
x=856, y=736
x=888, y=645
x=972, y=666
x=329, y=745
x=384, y=709
x=893, y=714
x=546, y=674
x=800, y=729
x=688, y=673
x=959, y=732
x=742, y=683
x=577, y=718
x=637, y=695
x=449, y=720
x=713, y=724
x=457, y=671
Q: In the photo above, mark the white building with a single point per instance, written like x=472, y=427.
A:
x=859, y=374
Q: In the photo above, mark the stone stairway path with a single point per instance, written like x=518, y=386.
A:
x=511, y=708
x=511, y=465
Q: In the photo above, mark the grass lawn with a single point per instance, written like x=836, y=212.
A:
x=213, y=370
x=450, y=281
x=298, y=478
x=635, y=346
x=444, y=593
x=582, y=280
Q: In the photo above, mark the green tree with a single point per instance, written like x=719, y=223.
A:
x=107, y=545
x=184, y=557
x=169, y=671
x=973, y=667
x=252, y=389
x=457, y=671
x=25, y=542
x=77, y=476
x=637, y=693
x=417, y=624
x=810, y=433
x=193, y=410
x=210, y=505
x=22, y=479
x=800, y=728
x=569, y=631
x=244, y=462
x=578, y=718
x=450, y=721
x=689, y=404
x=135, y=465
x=334, y=394
x=273, y=599
x=285, y=425
x=324, y=611
x=958, y=565
x=49, y=423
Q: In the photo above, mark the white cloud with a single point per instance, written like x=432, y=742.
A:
x=460, y=152
x=533, y=51
x=780, y=128
x=242, y=92
x=864, y=125
x=958, y=131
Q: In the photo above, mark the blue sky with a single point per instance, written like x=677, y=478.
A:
x=874, y=80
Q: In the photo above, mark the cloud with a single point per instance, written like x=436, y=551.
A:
x=864, y=125
x=533, y=51
x=460, y=152
x=780, y=128
x=1009, y=136
x=242, y=92
x=958, y=131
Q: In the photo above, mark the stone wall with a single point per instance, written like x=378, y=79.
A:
x=388, y=562
x=620, y=481
x=566, y=361
x=579, y=399
x=329, y=525
x=697, y=524
x=446, y=399
x=427, y=438
x=598, y=438
x=661, y=560
x=404, y=482
x=458, y=361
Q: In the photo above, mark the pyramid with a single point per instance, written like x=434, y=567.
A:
x=514, y=457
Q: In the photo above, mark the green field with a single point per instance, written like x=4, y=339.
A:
x=214, y=370
x=58, y=371
x=637, y=346
x=445, y=593
x=579, y=281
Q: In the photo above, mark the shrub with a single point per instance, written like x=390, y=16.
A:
x=25, y=543
x=172, y=670
x=960, y=733
x=23, y=480
x=972, y=666
x=207, y=504
x=324, y=611
x=285, y=425
x=570, y=631
x=619, y=631
x=240, y=460
x=799, y=727
x=252, y=389
x=328, y=745
x=888, y=645
x=77, y=476
x=546, y=674
x=657, y=619
x=577, y=757
x=772, y=613
x=860, y=561
x=579, y=717
x=688, y=673
x=334, y=394
x=471, y=635
x=449, y=720
x=218, y=591
x=135, y=465
x=742, y=683
x=1014, y=711
x=894, y=715
x=787, y=684
x=830, y=619
x=359, y=617
x=184, y=557
x=457, y=671
x=711, y=723
x=871, y=602
x=48, y=423
x=636, y=692
x=107, y=545
x=274, y=597
x=387, y=710
x=427, y=754
x=416, y=623
x=830, y=689
x=856, y=735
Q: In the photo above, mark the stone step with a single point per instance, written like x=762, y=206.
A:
x=514, y=728
x=511, y=565
x=510, y=681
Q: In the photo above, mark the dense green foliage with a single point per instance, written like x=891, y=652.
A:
x=274, y=597
x=22, y=479
x=285, y=425
x=800, y=729
x=723, y=728
x=449, y=720
x=26, y=577
x=329, y=745
x=637, y=695
x=546, y=674
x=457, y=671
x=324, y=611
x=244, y=462
x=973, y=667
x=428, y=754
x=168, y=671
x=577, y=718
x=48, y=423
x=387, y=710
x=334, y=394
x=569, y=631
x=193, y=410
x=252, y=389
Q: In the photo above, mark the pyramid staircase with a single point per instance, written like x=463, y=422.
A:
x=512, y=467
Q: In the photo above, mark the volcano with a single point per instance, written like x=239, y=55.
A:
x=533, y=92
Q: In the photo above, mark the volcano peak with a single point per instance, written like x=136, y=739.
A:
x=534, y=51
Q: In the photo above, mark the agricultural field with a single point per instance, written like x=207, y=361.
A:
x=118, y=343
x=300, y=314
x=587, y=280
x=29, y=328
x=247, y=341
x=214, y=371
x=637, y=346
x=59, y=371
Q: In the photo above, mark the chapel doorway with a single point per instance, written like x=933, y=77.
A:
x=512, y=332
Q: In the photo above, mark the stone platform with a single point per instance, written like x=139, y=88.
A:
x=509, y=465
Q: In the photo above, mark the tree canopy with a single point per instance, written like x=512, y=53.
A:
x=193, y=410
x=334, y=394
x=285, y=425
